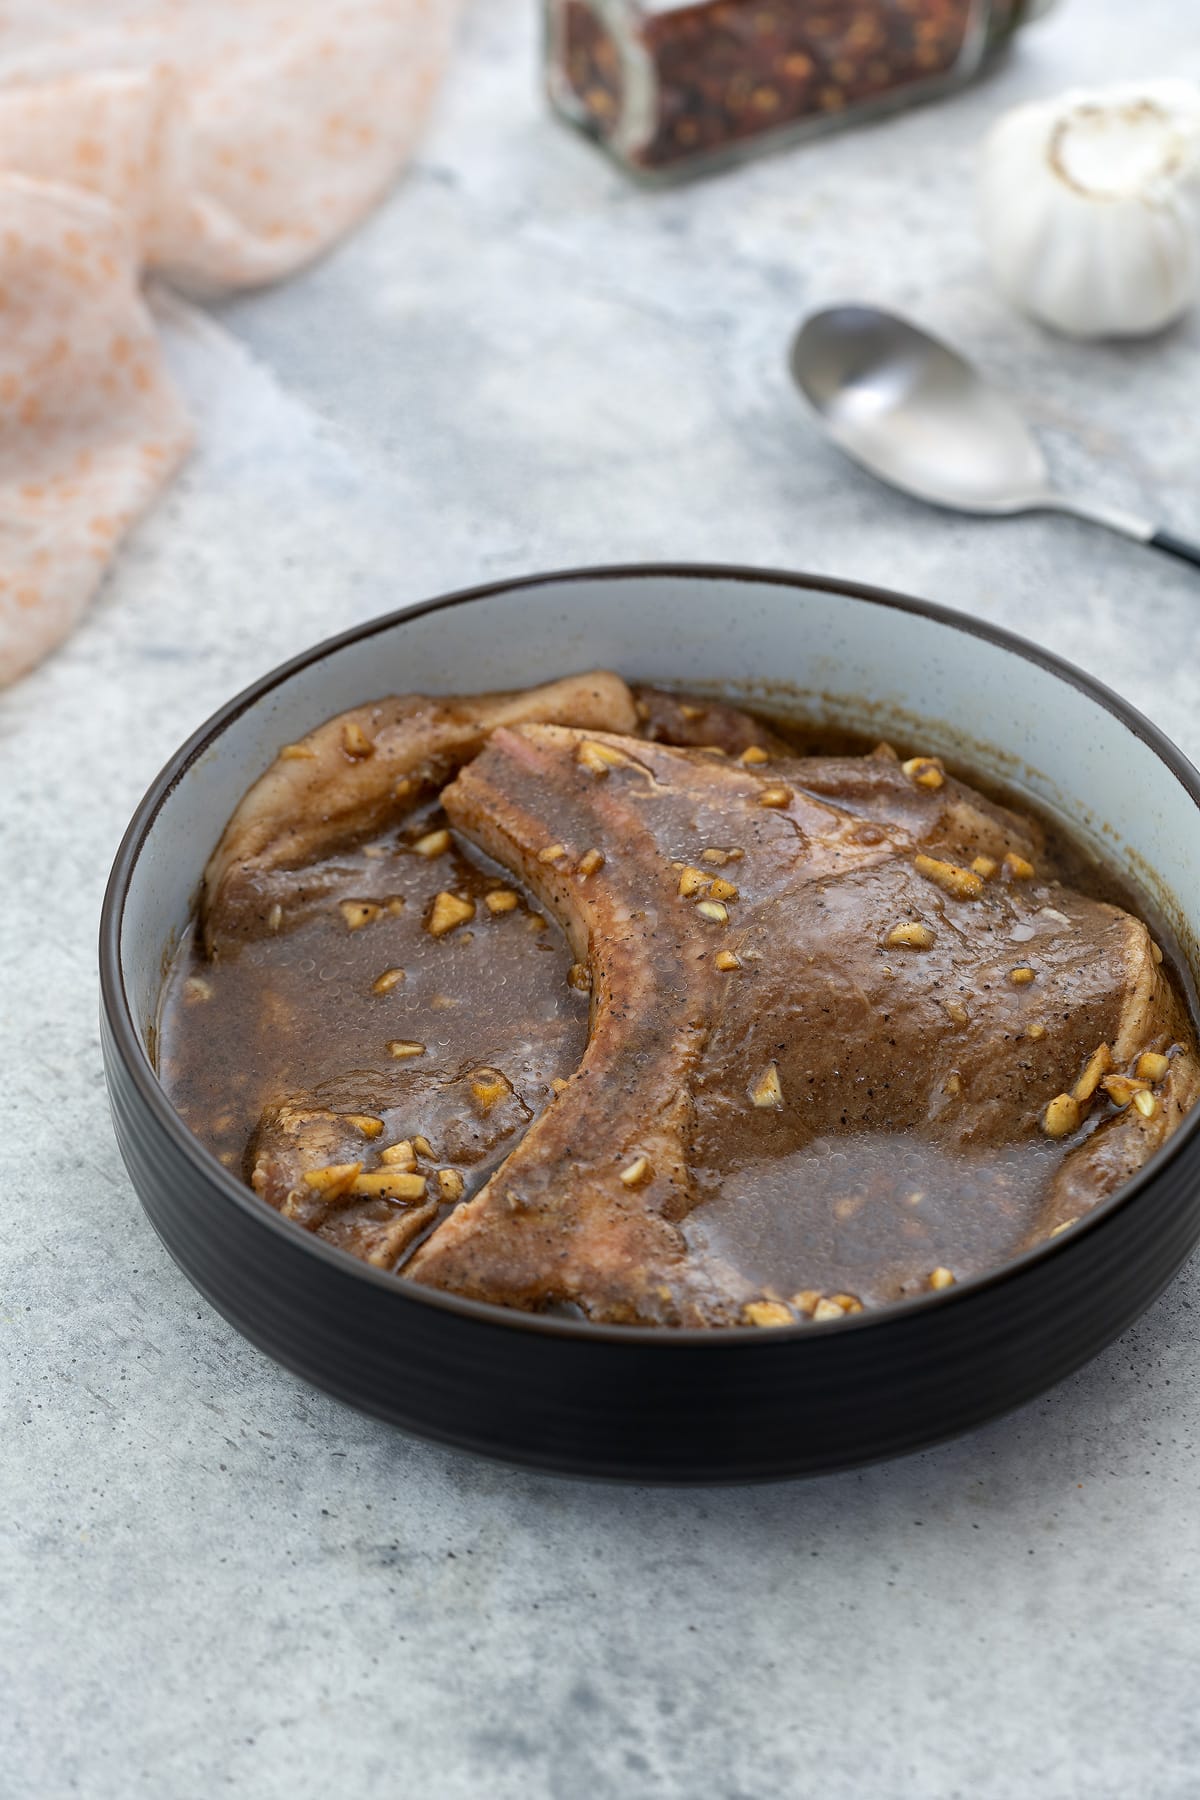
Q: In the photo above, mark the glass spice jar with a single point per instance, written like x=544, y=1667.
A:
x=672, y=86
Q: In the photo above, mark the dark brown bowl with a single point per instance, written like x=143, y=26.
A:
x=616, y=1401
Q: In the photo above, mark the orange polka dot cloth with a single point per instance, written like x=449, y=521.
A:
x=220, y=143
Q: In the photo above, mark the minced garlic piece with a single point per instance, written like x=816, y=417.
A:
x=389, y=1184
x=488, y=1087
x=552, y=853
x=722, y=890
x=826, y=1309
x=1098, y=1065
x=358, y=913
x=963, y=884
x=1021, y=977
x=448, y=912
x=767, y=1312
x=754, y=754
x=692, y=881
x=399, y=1156
x=637, y=1173
x=910, y=937
x=332, y=1182
x=451, y=1184
x=726, y=961
x=767, y=1091
x=502, y=900
x=926, y=771
x=941, y=1278
x=434, y=843
x=599, y=758
x=775, y=796
x=297, y=753
x=1018, y=867
x=985, y=866
x=1150, y=1066
x=422, y=1146
x=590, y=861
x=402, y=1048
x=1062, y=1116
x=355, y=742
x=383, y=984
x=1121, y=1089
x=370, y=1127
x=714, y=911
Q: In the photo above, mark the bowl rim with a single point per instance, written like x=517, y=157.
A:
x=127, y=1042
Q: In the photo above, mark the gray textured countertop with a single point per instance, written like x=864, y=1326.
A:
x=213, y=1579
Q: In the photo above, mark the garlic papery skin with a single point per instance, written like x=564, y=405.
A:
x=1090, y=207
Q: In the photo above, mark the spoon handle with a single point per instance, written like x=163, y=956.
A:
x=1175, y=546
x=1128, y=524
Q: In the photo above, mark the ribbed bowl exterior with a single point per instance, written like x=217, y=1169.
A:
x=658, y=1408
x=639, y=1405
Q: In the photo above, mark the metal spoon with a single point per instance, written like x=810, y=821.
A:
x=915, y=414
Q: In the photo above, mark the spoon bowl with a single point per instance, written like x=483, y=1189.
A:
x=915, y=414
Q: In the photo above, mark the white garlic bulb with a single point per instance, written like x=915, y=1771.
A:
x=1091, y=207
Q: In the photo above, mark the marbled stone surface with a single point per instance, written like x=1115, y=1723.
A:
x=214, y=1580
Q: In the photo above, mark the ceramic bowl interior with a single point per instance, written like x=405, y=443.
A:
x=929, y=679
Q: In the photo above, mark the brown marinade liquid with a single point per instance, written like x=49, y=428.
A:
x=298, y=1013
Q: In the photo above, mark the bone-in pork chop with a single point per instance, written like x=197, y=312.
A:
x=775, y=971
